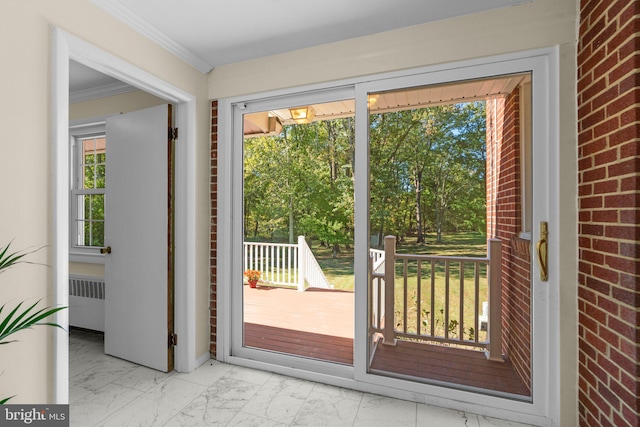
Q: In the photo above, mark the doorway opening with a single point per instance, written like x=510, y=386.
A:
x=298, y=231
x=65, y=48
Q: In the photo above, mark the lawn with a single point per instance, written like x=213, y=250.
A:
x=339, y=271
x=419, y=312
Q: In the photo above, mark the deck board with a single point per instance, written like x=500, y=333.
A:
x=447, y=364
x=305, y=344
x=319, y=324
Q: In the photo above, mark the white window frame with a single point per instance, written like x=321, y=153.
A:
x=78, y=132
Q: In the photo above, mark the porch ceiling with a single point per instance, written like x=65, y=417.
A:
x=473, y=90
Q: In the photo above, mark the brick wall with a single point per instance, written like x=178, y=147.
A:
x=609, y=235
x=214, y=230
x=504, y=222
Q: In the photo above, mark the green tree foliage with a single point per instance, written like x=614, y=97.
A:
x=94, y=178
x=300, y=182
x=427, y=172
x=428, y=164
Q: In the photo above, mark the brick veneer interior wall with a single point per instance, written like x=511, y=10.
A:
x=504, y=222
x=609, y=236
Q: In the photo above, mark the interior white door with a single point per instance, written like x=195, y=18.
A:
x=136, y=229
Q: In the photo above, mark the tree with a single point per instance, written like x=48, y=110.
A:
x=436, y=154
x=426, y=172
x=455, y=172
x=301, y=181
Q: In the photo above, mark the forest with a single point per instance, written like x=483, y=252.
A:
x=426, y=174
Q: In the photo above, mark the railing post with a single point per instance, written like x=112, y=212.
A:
x=494, y=350
x=389, y=290
x=302, y=262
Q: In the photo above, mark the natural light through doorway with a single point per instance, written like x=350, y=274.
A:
x=298, y=272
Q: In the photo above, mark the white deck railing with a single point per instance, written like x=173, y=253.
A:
x=285, y=264
x=410, y=318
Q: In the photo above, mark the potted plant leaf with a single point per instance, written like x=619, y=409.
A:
x=20, y=318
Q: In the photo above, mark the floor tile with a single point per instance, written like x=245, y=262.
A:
x=343, y=393
x=279, y=407
x=250, y=375
x=109, y=370
x=385, y=412
x=230, y=393
x=99, y=404
x=207, y=373
x=143, y=378
x=107, y=391
x=326, y=410
x=201, y=413
x=157, y=406
x=247, y=420
x=433, y=415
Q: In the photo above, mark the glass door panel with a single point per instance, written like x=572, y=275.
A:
x=450, y=235
x=298, y=289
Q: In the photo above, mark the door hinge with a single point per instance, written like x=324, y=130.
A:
x=173, y=339
x=173, y=133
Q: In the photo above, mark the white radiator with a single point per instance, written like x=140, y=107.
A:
x=86, y=302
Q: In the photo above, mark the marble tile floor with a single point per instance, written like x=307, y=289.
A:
x=106, y=391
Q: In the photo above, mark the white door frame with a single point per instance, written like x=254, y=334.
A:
x=67, y=47
x=545, y=407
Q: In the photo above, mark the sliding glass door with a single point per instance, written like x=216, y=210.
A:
x=393, y=235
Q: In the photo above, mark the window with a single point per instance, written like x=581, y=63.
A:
x=87, y=190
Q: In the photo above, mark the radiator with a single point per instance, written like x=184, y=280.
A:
x=86, y=302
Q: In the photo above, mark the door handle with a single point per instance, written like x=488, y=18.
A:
x=543, y=251
x=106, y=250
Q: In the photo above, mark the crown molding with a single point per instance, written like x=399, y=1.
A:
x=123, y=13
x=100, y=92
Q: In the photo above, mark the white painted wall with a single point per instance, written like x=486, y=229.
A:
x=538, y=24
x=116, y=104
x=26, y=169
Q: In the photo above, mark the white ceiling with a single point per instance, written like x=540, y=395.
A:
x=209, y=33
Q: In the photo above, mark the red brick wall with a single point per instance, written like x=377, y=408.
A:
x=504, y=221
x=609, y=235
x=214, y=230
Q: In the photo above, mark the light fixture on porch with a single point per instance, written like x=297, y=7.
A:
x=302, y=115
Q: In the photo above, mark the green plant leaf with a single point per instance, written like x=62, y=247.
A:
x=9, y=259
x=17, y=321
x=6, y=399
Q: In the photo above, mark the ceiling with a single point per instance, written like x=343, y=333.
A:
x=210, y=33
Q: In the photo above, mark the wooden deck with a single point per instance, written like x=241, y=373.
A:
x=318, y=324
x=450, y=365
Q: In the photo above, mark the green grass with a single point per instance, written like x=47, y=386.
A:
x=339, y=272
